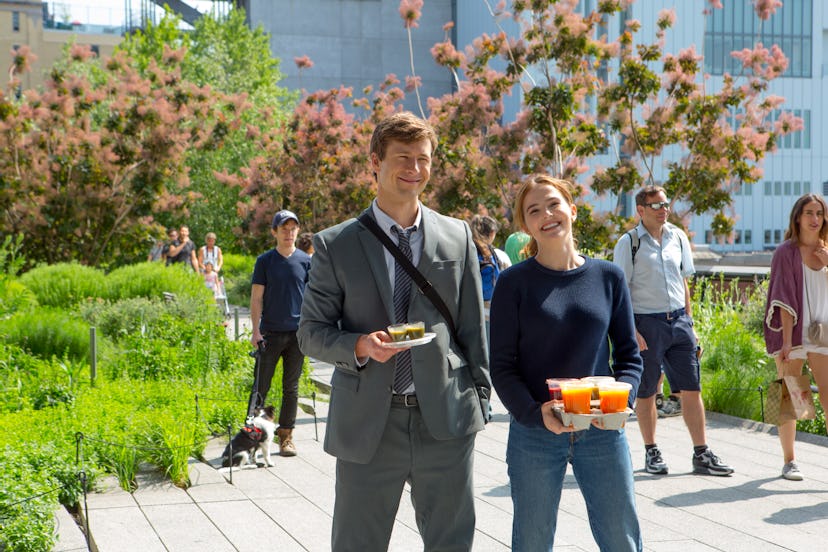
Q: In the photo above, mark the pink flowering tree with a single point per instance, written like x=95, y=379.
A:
x=584, y=96
x=91, y=159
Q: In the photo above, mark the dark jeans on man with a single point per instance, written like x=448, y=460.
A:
x=284, y=345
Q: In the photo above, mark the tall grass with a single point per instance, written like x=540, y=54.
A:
x=48, y=332
x=151, y=280
x=64, y=285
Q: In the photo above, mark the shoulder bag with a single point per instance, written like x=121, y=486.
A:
x=427, y=289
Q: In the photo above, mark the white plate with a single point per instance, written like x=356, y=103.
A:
x=411, y=342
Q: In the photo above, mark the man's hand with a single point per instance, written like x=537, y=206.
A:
x=373, y=346
x=256, y=338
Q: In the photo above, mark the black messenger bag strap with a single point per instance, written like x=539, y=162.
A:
x=424, y=285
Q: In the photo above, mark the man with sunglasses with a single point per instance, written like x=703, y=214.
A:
x=656, y=266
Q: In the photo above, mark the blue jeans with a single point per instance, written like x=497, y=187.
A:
x=600, y=459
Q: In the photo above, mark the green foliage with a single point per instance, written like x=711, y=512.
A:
x=171, y=442
x=34, y=478
x=734, y=364
x=11, y=255
x=14, y=296
x=26, y=524
x=64, y=284
x=238, y=272
x=226, y=55
x=47, y=332
x=152, y=280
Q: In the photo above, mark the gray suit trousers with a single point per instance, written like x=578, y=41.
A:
x=440, y=476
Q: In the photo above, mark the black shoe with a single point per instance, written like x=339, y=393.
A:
x=653, y=462
x=708, y=463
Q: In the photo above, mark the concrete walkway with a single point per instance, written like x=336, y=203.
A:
x=288, y=507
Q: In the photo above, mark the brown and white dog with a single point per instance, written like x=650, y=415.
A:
x=253, y=437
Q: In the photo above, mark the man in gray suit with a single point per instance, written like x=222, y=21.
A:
x=399, y=415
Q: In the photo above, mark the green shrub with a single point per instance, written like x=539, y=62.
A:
x=235, y=265
x=237, y=272
x=34, y=478
x=26, y=520
x=171, y=442
x=14, y=296
x=47, y=332
x=65, y=284
x=120, y=318
x=152, y=280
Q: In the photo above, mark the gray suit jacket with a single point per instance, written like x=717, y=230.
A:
x=349, y=294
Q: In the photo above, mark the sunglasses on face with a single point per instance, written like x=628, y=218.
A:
x=658, y=205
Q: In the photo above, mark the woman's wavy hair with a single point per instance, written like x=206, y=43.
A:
x=792, y=233
x=536, y=181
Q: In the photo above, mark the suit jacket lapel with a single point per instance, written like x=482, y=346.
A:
x=375, y=257
x=430, y=238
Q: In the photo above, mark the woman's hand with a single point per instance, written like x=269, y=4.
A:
x=785, y=352
x=821, y=253
x=642, y=343
x=552, y=422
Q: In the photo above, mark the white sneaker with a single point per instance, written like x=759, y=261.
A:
x=790, y=471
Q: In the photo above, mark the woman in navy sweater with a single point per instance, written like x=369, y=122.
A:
x=555, y=316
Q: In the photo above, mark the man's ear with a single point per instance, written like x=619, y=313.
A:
x=574, y=212
x=640, y=210
x=375, y=162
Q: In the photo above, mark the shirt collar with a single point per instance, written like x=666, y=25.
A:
x=386, y=222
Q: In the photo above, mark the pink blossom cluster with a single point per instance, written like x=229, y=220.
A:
x=410, y=11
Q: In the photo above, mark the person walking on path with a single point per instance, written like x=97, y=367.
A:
x=656, y=259
x=588, y=304
x=279, y=280
x=184, y=251
x=399, y=415
x=492, y=260
x=210, y=253
x=797, y=294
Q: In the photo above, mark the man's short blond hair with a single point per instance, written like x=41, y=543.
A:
x=402, y=127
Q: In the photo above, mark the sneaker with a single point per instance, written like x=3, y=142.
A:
x=659, y=401
x=653, y=462
x=669, y=407
x=708, y=463
x=791, y=472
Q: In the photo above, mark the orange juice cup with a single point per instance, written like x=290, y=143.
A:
x=576, y=396
x=596, y=381
x=614, y=396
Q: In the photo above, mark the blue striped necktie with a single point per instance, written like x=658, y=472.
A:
x=403, y=377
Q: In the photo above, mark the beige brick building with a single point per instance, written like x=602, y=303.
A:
x=31, y=23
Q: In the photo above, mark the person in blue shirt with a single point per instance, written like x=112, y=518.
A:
x=491, y=259
x=555, y=315
x=656, y=259
x=279, y=279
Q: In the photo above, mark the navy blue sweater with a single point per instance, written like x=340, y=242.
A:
x=547, y=323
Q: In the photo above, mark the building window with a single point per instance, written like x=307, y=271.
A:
x=777, y=236
x=708, y=236
x=736, y=26
x=737, y=238
x=16, y=21
x=768, y=236
x=748, y=237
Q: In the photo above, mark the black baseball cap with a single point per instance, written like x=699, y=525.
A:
x=282, y=217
